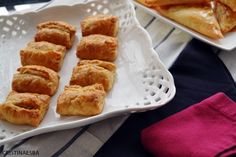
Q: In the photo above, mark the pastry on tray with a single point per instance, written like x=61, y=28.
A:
x=35, y=79
x=56, y=32
x=43, y=53
x=89, y=72
x=197, y=17
x=229, y=3
x=24, y=108
x=100, y=24
x=81, y=101
x=226, y=17
x=97, y=46
x=173, y=2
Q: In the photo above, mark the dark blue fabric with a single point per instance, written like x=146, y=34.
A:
x=198, y=74
x=8, y=3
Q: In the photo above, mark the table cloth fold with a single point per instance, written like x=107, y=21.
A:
x=206, y=129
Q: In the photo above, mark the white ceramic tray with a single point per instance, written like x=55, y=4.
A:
x=227, y=43
x=142, y=82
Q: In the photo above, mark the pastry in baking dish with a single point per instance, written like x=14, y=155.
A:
x=81, y=101
x=97, y=46
x=43, y=53
x=24, y=108
x=89, y=72
x=229, y=3
x=35, y=79
x=174, y=2
x=225, y=16
x=100, y=24
x=199, y=18
x=56, y=32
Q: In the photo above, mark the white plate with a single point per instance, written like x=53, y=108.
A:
x=142, y=82
x=226, y=43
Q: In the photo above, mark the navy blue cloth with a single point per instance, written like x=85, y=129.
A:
x=8, y=3
x=198, y=74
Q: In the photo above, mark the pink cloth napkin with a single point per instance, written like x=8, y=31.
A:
x=206, y=129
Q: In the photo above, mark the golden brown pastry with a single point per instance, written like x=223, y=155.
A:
x=89, y=72
x=24, y=108
x=199, y=18
x=148, y=3
x=56, y=32
x=226, y=17
x=100, y=24
x=35, y=79
x=43, y=53
x=97, y=46
x=81, y=101
x=229, y=3
x=174, y=2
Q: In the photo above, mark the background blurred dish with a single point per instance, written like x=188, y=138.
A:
x=226, y=43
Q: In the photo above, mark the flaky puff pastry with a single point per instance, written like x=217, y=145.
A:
x=24, y=108
x=57, y=32
x=97, y=46
x=89, y=72
x=199, y=18
x=174, y=2
x=100, y=24
x=225, y=16
x=229, y=3
x=35, y=79
x=81, y=101
x=43, y=53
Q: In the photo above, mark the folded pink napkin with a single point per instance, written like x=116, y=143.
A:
x=206, y=129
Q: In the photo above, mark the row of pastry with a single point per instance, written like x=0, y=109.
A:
x=38, y=79
x=94, y=75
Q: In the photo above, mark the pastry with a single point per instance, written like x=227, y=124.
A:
x=43, y=53
x=97, y=46
x=100, y=24
x=35, y=79
x=229, y=3
x=225, y=16
x=89, y=72
x=24, y=108
x=174, y=2
x=148, y=3
x=81, y=101
x=56, y=32
x=199, y=18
